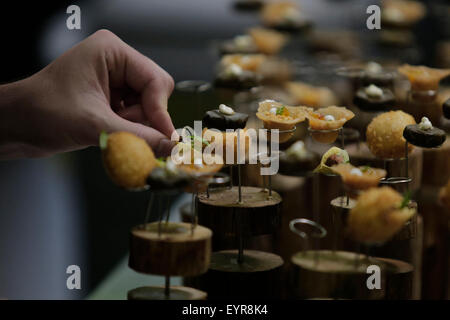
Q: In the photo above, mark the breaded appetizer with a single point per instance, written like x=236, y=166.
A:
x=332, y=157
x=278, y=116
x=359, y=178
x=423, y=78
x=378, y=215
x=284, y=16
x=127, y=159
x=385, y=134
x=310, y=96
x=324, y=123
x=401, y=13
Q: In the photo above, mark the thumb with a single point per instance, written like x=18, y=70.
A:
x=160, y=144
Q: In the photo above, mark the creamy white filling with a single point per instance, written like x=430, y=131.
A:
x=373, y=67
x=226, y=110
x=329, y=117
x=273, y=110
x=425, y=124
x=356, y=172
x=233, y=70
x=373, y=91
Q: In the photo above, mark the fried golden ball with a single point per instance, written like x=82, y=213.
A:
x=378, y=215
x=128, y=159
x=385, y=134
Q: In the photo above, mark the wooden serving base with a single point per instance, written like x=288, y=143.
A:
x=177, y=251
x=258, y=276
x=256, y=215
x=158, y=293
x=343, y=275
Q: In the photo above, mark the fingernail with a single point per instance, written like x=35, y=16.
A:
x=164, y=148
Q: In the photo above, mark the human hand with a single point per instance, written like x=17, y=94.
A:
x=100, y=84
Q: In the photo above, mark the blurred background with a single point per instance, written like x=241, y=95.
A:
x=63, y=210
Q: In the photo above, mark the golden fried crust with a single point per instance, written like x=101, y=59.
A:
x=340, y=114
x=423, y=78
x=370, y=176
x=385, y=134
x=128, y=160
x=377, y=216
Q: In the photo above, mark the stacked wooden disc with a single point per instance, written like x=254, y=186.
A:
x=253, y=273
x=169, y=249
x=436, y=244
x=344, y=275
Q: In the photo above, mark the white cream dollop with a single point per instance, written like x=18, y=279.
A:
x=273, y=111
x=356, y=172
x=224, y=109
x=373, y=67
x=171, y=168
x=373, y=91
x=329, y=117
x=425, y=124
x=233, y=70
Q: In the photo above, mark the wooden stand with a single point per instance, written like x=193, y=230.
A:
x=256, y=215
x=343, y=275
x=170, y=248
x=258, y=276
x=158, y=293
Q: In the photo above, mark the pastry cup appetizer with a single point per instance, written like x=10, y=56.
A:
x=284, y=16
x=332, y=157
x=373, y=98
x=424, y=134
x=385, y=134
x=446, y=109
x=423, y=78
x=359, y=178
x=224, y=118
x=310, y=96
x=324, y=123
x=297, y=160
x=378, y=215
x=127, y=159
x=401, y=13
x=267, y=41
x=278, y=116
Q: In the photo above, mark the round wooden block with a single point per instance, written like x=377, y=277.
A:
x=176, y=251
x=256, y=215
x=342, y=274
x=258, y=276
x=436, y=165
x=158, y=293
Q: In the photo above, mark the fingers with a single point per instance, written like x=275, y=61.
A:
x=133, y=113
x=127, y=67
x=159, y=143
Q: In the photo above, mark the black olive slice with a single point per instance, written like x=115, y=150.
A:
x=364, y=102
x=215, y=119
